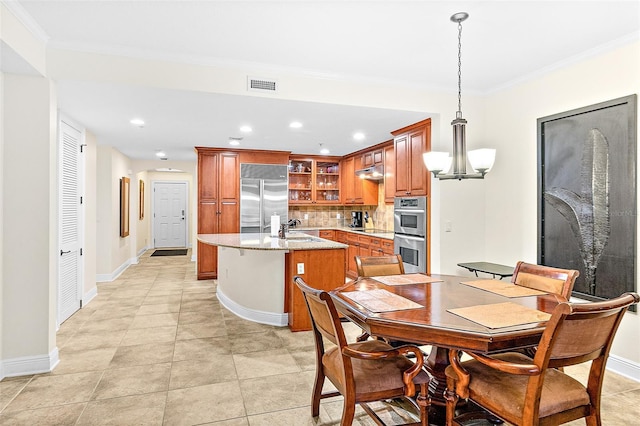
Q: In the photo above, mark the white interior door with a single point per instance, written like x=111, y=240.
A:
x=169, y=214
x=70, y=192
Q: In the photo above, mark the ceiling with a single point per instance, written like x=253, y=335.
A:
x=399, y=43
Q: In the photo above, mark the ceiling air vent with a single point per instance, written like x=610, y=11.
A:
x=261, y=84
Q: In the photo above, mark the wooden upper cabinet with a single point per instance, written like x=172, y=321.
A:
x=348, y=176
x=389, y=174
x=207, y=169
x=410, y=143
x=378, y=156
x=229, y=177
x=314, y=180
x=372, y=157
x=354, y=189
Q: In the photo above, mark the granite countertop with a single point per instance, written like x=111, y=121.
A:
x=378, y=233
x=255, y=241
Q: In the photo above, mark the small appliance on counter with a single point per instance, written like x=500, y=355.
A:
x=368, y=222
x=356, y=220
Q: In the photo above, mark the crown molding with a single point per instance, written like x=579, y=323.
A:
x=26, y=19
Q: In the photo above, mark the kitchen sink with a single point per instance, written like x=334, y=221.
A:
x=303, y=239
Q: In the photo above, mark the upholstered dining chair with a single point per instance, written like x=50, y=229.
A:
x=545, y=278
x=362, y=372
x=372, y=266
x=526, y=391
x=375, y=266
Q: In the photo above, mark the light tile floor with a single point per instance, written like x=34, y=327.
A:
x=155, y=347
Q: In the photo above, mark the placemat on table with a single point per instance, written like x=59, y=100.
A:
x=380, y=300
x=499, y=315
x=405, y=279
x=504, y=288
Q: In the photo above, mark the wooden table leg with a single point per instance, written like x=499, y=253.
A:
x=435, y=364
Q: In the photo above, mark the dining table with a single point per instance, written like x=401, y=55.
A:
x=446, y=312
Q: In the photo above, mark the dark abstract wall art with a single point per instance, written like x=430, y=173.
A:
x=587, y=196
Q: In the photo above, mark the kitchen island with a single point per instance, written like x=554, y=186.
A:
x=255, y=274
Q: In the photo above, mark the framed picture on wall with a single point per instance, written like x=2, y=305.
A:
x=587, y=196
x=124, y=206
x=141, y=194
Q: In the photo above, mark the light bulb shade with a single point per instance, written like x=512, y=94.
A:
x=436, y=161
x=481, y=160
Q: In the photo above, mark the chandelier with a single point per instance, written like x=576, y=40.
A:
x=481, y=160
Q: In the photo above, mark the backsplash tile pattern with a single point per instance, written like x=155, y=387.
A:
x=327, y=216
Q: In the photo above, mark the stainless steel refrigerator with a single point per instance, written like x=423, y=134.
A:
x=263, y=192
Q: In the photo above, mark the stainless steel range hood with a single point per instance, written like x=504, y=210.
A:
x=375, y=172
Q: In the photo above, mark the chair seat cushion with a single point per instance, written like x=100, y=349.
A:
x=371, y=376
x=492, y=388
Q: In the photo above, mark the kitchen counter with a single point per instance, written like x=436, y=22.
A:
x=377, y=233
x=255, y=274
x=293, y=241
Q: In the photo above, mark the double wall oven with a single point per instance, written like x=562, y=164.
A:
x=410, y=232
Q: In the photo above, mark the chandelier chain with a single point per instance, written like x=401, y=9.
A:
x=460, y=67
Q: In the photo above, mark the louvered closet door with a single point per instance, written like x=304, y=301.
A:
x=69, y=282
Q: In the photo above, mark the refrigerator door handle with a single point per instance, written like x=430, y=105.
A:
x=261, y=208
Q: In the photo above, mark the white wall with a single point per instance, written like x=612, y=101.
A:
x=115, y=253
x=511, y=189
x=29, y=240
x=104, y=199
x=2, y=101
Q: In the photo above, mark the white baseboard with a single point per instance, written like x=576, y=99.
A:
x=88, y=296
x=26, y=366
x=269, y=318
x=105, y=278
x=624, y=367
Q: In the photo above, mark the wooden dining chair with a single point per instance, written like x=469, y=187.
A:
x=526, y=391
x=372, y=266
x=376, y=266
x=545, y=278
x=362, y=372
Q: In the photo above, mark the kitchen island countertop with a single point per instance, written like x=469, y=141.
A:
x=255, y=274
x=255, y=241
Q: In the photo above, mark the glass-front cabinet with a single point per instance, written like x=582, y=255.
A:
x=314, y=180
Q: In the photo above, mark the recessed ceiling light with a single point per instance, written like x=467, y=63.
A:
x=245, y=129
x=161, y=154
x=137, y=122
x=295, y=124
x=234, y=141
x=323, y=150
x=359, y=136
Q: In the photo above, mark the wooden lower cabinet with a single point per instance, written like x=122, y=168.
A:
x=323, y=270
x=327, y=234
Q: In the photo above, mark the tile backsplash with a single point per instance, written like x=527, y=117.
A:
x=328, y=216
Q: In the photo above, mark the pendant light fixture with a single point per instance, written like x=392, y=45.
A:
x=481, y=160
